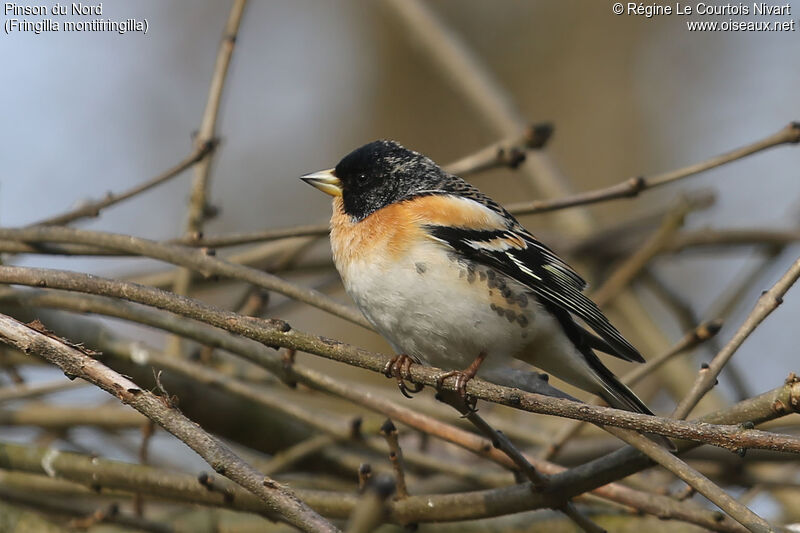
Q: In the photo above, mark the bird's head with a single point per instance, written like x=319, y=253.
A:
x=376, y=175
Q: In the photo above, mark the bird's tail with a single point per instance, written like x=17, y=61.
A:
x=619, y=396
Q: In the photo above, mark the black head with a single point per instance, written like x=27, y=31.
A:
x=381, y=173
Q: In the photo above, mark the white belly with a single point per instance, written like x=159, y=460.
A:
x=445, y=312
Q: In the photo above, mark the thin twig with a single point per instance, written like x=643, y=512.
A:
x=93, y=208
x=633, y=265
x=74, y=362
x=87, y=516
x=648, y=504
x=766, y=304
x=284, y=459
x=724, y=305
x=389, y=432
x=195, y=259
x=23, y=392
x=278, y=333
x=372, y=508
x=702, y=484
x=198, y=203
x=691, y=340
x=632, y=187
x=539, y=480
x=509, y=153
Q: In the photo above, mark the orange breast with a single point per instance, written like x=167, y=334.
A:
x=392, y=231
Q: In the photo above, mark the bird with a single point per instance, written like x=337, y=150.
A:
x=449, y=277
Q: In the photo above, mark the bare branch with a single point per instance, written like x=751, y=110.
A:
x=277, y=333
x=389, y=432
x=697, y=336
x=633, y=265
x=767, y=303
x=632, y=187
x=74, y=362
x=93, y=208
x=194, y=259
x=24, y=391
x=695, y=479
x=509, y=153
x=198, y=203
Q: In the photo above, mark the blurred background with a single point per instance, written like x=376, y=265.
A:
x=86, y=113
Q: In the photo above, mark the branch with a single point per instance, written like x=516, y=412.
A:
x=194, y=259
x=276, y=333
x=767, y=303
x=93, y=208
x=208, y=125
x=627, y=189
x=632, y=187
x=24, y=391
x=509, y=153
x=106, y=474
x=711, y=238
x=691, y=340
x=659, y=505
x=91, y=516
x=696, y=480
x=198, y=204
x=539, y=480
x=76, y=363
x=633, y=265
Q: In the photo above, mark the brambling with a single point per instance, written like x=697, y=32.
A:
x=447, y=275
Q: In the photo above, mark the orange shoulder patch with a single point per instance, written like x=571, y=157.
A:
x=452, y=211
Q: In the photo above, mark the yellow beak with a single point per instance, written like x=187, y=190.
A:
x=325, y=181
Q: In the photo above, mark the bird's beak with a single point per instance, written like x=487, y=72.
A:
x=325, y=181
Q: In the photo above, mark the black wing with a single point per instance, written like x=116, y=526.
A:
x=517, y=254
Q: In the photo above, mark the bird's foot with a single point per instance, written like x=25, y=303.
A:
x=398, y=367
x=462, y=377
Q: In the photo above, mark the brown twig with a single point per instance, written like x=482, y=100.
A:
x=58, y=417
x=148, y=430
x=93, y=208
x=539, y=480
x=23, y=392
x=479, y=445
x=372, y=508
x=290, y=456
x=633, y=265
x=702, y=484
x=86, y=515
x=389, y=432
x=199, y=209
x=767, y=303
x=725, y=303
x=725, y=238
x=195, y=259
x=632, y=187
x=364, y=474
x=278, y=333
x=74, y=362
x=509, y=153
x=697, y=336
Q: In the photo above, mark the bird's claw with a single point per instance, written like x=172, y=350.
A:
x=462, y=377
x=398, y=367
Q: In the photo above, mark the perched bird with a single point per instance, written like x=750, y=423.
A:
x=448, y=276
